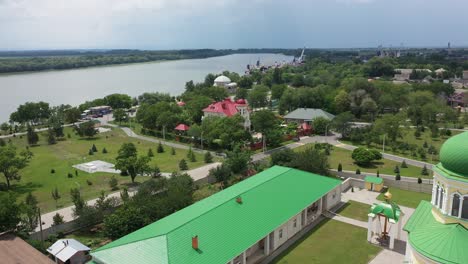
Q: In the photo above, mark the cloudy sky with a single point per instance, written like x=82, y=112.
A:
x=178, y=24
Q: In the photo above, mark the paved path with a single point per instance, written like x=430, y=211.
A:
x=36, y=130
x=67, y=212
x=386, y=176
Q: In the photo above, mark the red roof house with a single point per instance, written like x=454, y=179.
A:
x=228, y=108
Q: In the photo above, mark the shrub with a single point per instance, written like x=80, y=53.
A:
x=192, y=157
x=396, y=169
x=419, y=180
x=104, y=150
x=208, y=157
x=417, y=133
x=425, y=145
x=172, y=151
x=183, y=164
x=90, y=152
x=363, y=156
x=113, y=183
x=93, y=148
x=58, y=219
x=68, y=135
x=448, y=132
x=424, y=171
x=160, y=148
x=403, y=164
x=340, y=167
x=358, y=171
x=89, y=182
x=150, y=153
x=189, y=153
x=52, y=171
x=397, y=177
x=70, y=175
x=76, y=173
x=378, y=173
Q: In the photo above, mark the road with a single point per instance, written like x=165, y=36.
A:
x=335, y=142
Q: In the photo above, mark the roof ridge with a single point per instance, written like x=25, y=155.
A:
x=288, y=169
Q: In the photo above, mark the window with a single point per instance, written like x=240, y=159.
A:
x=441, y=198
x=295, y=223
x=334, y=195
x=436, y=200
x=280, y=233
x=455, y=205
x=464, y=213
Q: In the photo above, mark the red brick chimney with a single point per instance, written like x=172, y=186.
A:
x=195, y=242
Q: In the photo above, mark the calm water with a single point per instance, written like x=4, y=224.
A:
x=76, y=86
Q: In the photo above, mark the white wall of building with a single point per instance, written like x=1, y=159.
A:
x=333, y=198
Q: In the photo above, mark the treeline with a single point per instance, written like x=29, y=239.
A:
x=22, y=61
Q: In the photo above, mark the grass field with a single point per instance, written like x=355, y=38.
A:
x=406, y=198
x=385, y=166
x=38, y=179
x=355, y=210
x=331, y=242
x=408, y=137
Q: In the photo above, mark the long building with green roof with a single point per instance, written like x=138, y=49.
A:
x=437, y=231
x=241, y=224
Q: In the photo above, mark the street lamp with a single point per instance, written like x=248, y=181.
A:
x=383, y=144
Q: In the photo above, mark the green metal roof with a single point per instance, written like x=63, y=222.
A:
x=443, y=243
x=453, y=154
x=390, y=210
x=439, y=168
x=373, y=179
x=308, y=114
x=224, y=227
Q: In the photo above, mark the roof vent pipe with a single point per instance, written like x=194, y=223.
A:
x=195, y=242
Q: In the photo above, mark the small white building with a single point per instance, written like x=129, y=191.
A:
x=224, y=81
x=69, y=251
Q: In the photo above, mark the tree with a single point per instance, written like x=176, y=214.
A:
x=283, y=157
x=128, y=161
x=120, y=115
x=389, y=125
x=238, y=159
x=342, y=123
x=32, y=136
x=424, y=171
x=150, y=153
x=12, y=162
x=340, y=167
x=397, y=177
x=113, y=183
x=277, y=91
x=208, y=157
x=342, y=102
x=118, y=101
x=86, y=129
x=378, y=173
x=403, y=164
x=94, y=149
x=160, y=148
x=320, y=125
x=71, y=115
x=5, y=127
x=31, y=211
x=173, y=151
x=77, y=200
x=311, y=160
x=104, y=150
x=358, y=171
x=183, y=165
x=396, y=169
x=264, y=121
x=124, y=194
x=56, y=195
x=221, y=173
x=10, y=212
x=57, y=219
x=419, y=180
x=258, y=96
x=51, y=140
x=363, y=156
x=123, y=221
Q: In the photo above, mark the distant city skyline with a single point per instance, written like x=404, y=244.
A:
x=185, y=24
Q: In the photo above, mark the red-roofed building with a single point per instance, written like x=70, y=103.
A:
x=228, y=108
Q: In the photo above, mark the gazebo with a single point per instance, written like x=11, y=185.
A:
x=182, y=128
x=391, y=215
x=373, y=183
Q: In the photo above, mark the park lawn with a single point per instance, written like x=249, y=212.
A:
x=92, y=237
x=384, y=166
x=355, y=210
x=38, y=179
x=330, y=242
x=408, y=137
x=406, y=198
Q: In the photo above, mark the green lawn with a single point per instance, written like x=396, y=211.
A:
x=38, y=179
x=385, y=166
x=408, y=137
x=331, y=242
x=406, y=198
x=92, y=237
x=355, y=210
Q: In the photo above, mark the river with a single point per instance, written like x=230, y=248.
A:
x=78, y=85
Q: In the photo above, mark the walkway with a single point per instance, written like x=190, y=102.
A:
x=67, y=212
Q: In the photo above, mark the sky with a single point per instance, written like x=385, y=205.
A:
x=193, y=24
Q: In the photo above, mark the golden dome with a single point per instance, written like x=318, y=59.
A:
x=388, y=195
